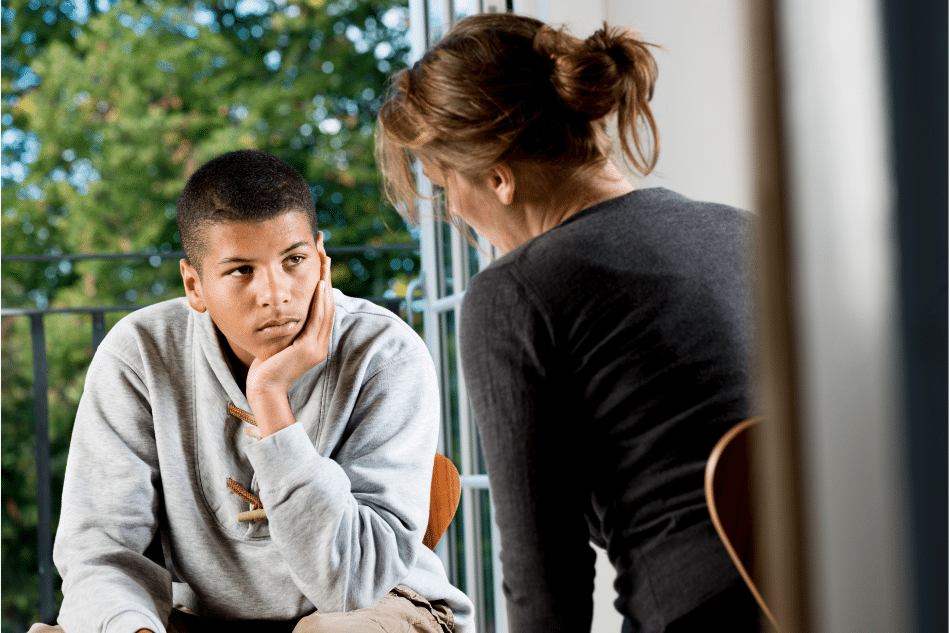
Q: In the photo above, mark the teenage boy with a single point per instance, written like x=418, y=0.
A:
x=271, y=438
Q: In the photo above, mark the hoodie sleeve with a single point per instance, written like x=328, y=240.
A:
x=111, y=495
x=350, y=526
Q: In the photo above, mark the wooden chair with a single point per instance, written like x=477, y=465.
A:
x=729, y=499
x=446, y=491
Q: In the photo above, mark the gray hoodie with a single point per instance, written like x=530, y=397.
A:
x=345, y=489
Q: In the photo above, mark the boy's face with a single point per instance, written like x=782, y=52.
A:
x=257, y=282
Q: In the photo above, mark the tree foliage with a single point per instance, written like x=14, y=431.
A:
x=107, y=109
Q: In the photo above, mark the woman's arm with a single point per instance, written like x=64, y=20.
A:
x=534, y=451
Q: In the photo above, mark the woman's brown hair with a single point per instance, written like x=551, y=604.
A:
x=506, y=88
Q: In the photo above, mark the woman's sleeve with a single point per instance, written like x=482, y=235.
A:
x=535, y=453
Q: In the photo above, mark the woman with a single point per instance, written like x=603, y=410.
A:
x=605, y=352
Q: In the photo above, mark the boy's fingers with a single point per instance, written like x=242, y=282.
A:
x=328, y=316
x=321, y=298
x=317, y=296
x=315, y=320
x=253, y=431
x=327, y=285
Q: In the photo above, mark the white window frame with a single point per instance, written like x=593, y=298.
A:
x=448, y=262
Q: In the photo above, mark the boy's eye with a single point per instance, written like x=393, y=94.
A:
x=295, y=259
x=240, y=272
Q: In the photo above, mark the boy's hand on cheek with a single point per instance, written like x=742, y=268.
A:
x=269, y=379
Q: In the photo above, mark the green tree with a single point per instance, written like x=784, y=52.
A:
x=107, y=109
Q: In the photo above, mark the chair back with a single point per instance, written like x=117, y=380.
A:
x=444, y=500
x=729, y=499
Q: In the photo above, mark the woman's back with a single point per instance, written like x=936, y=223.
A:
x=605, y=353
x=604, y=358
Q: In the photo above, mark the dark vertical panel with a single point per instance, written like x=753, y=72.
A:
x=916, y=44
x=392, y=304
x=44, y=511
x=98, y=328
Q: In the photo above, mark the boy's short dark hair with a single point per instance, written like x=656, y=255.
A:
x=242, y=186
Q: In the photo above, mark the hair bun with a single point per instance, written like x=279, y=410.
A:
x=611, y=44
x=552, y=44
x=597, y=76
x=629, y=52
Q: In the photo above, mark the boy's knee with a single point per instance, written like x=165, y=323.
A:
x=39, y=627
x=327, y=623
x=394, y=614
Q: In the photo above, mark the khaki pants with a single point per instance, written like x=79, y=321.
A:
x=402, y=610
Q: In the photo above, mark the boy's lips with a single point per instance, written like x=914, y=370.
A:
x=277, y=323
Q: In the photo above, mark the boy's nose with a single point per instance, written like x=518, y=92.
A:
x=275, y=290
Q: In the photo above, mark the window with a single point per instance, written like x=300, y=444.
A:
x=471, y=546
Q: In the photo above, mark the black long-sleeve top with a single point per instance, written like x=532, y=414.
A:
x=604, y=359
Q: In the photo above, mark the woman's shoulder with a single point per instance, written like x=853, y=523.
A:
x=650, y=205
x=497, y=284
x=626, y=240
x=640, y=225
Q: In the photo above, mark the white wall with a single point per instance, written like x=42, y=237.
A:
x=703, y=93
x=702, y=107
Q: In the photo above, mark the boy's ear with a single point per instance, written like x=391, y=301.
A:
x=192, y=281
x=501, y=179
